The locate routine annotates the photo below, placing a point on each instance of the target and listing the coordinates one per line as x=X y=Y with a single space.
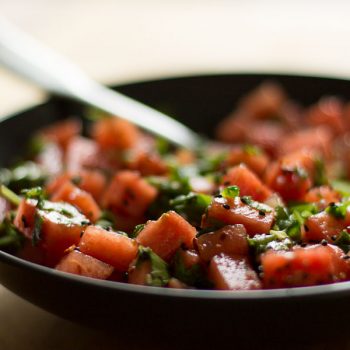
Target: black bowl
x=190 y=316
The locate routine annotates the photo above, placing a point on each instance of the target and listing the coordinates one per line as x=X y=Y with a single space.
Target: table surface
x=120 y=41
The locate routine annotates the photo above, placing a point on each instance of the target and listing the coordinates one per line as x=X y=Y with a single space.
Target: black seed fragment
x=226 y=206
x=262 y=213
x=24 y=220
x=303 y=245
x=334 y=237
x=324 y=242
x=346 y=257
x=218 y=196
x=223 y=236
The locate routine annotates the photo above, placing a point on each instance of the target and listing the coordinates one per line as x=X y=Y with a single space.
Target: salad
x=267 y=207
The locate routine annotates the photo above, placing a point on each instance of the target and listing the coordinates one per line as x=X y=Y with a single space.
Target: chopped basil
x=292 y=219
x=193 y=276
x=168 y=189
x=338 y=210
x=10 y=238
x=276 y=240
x=263 y=208
x=191 y=206
x=210 y=164
x=34 y=193
x=230 y=192
x=343 y=241
x=137 y=230
x=159 y=275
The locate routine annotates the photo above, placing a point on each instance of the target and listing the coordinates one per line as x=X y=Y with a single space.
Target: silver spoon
x=53 y=72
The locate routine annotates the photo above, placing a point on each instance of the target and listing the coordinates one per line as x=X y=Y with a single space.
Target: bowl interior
x=200 y=102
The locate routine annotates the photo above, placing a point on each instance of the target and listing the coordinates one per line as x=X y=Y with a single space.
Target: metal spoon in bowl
x=38 y=63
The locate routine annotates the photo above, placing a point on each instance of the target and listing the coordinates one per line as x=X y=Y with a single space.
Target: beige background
x=118 y=41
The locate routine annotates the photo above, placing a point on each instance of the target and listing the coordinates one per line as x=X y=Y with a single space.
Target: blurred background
x=122 y=41
x=118 y=41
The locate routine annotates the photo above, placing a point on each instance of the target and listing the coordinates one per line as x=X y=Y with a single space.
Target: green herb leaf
x=168 y=189
x=106 y=220
x=159 y=275
x=191 y=206
x=36 y=193
x=338 y=210
x=10 y=238
x=276 y=240
x=292 y=219
x=343 y=241
x=38 y=223
x=193 y=276
x=263 y=208
x=230 y=192
x=137 y=230
x=210 y=164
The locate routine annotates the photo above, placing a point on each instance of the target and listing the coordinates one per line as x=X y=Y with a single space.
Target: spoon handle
x=53 y=72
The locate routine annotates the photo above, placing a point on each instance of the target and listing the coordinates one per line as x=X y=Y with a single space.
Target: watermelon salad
x=266 y=207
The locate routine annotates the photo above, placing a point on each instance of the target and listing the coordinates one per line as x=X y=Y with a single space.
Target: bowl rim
x=326 y=290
